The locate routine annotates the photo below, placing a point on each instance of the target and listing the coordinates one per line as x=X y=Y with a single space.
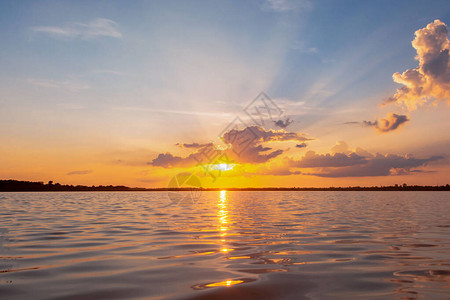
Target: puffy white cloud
x=431 y=79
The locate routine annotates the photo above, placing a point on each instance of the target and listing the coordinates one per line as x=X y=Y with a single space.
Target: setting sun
x=245 y=150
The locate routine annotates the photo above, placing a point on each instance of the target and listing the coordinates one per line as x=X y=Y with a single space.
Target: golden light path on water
x=223 y=225
x=230 y=245
x=222 y=216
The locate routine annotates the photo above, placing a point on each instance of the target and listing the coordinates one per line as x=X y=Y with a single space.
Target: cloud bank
x=379 y=165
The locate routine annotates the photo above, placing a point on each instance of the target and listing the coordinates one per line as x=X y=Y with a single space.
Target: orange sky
x=104 y=100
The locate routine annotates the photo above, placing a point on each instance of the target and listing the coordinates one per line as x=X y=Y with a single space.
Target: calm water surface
x=229 y=245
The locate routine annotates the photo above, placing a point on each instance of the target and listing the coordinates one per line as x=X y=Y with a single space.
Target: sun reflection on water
x=222 y=216
x=224 y=283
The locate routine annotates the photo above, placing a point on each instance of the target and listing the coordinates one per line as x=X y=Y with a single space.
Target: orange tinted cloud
x=431 y=79
x=390 y=123
x=245 y=146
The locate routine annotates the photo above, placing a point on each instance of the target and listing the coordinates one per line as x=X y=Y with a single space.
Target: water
x=229 y=245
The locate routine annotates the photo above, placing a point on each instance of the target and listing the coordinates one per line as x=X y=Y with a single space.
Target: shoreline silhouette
x=39 y=186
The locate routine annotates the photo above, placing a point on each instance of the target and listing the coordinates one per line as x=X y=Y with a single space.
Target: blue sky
x=113 y=75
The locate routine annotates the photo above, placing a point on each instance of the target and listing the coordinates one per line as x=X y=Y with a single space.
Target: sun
x=223 y=167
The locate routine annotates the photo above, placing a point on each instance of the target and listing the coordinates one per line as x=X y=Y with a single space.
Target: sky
x=277 y=93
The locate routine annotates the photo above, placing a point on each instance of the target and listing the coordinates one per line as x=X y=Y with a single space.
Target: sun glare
x=223 y=167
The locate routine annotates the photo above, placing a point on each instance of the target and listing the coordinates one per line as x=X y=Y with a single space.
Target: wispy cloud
x=85 y=31
x=222 y=115
x=81 y=172
x=64 y=84
x=285 y=5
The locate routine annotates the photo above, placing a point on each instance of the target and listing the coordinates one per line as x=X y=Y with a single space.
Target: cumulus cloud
x=85 y=31
x=341 y=147
x=246 y=143
x=431 y=79
x=245 y=146
x=81 y=172
x=390 y=123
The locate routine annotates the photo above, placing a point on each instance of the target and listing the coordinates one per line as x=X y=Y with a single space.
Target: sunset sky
x=133 y=93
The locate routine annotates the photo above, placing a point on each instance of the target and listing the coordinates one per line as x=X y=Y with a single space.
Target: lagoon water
x=227 y=245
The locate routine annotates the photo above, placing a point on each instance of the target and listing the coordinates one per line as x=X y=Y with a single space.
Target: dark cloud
x=283 y=124
x=246 y=143
x=258 y=135
x=379 y=165
x=168 y=160
x=313 y=160
x=245 y=146
x=81 y=172
x=431 y=79
x=390 y=123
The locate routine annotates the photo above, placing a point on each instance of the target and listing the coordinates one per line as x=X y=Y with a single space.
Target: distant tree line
x=32 y=186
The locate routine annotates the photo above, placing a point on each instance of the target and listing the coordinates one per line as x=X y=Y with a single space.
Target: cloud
x=341 y=147
x=193 y=145
x=245 y=146
x=202 y=155
x=431 y=79
x=246 y=143
x=313 y=160
x=275 y=171
x=283 y=124
x=64 y=84
x=390 y=123
x=285 y=5
x=258 y=134
x=81 y=172
x=379 y=165
x=167 y=160
x=344 y=162
x=85 y=31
